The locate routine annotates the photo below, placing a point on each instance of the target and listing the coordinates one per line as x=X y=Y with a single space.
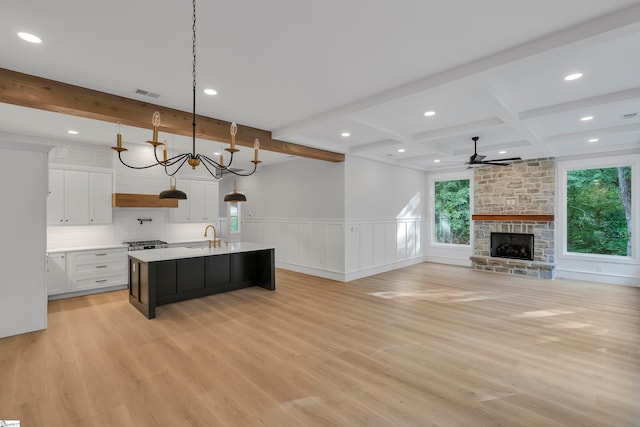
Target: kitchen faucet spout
x=215 y=241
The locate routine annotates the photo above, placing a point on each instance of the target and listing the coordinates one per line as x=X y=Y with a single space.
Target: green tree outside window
x=452 y=216
x=599 y=211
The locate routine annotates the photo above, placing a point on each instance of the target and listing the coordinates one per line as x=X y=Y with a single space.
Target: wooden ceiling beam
x=44 y=94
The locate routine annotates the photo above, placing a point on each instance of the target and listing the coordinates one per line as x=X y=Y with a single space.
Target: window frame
x=239 y=222
x=563 y=167
x=449 y=176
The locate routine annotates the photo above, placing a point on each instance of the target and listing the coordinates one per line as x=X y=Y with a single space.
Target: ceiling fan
x=478 y=159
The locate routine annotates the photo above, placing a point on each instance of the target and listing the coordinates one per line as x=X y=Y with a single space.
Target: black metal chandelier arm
x=212 y=173
x=213 y=162
x=170 y=161
x=184 y=160
x=255 y=166
x=134 y=167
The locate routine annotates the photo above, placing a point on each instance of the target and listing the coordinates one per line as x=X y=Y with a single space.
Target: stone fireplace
x=516 y=199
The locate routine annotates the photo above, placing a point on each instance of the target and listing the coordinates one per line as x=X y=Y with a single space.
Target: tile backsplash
x=127 y=227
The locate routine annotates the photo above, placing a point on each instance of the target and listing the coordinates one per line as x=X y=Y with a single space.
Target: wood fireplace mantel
x=534 y=218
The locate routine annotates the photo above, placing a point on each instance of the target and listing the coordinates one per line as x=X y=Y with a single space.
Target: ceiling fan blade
x=504 y=160
x=491 y=162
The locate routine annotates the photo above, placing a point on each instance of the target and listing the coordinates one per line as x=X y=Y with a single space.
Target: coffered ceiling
x=311 y=71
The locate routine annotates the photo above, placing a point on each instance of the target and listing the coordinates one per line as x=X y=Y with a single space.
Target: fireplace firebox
x=512 y=245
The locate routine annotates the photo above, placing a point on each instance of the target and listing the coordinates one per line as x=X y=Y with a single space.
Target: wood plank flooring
x=427 y=345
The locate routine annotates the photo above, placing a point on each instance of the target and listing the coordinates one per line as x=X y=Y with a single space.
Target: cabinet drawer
x=97 y=268
x=97 y=256
x=100 y=282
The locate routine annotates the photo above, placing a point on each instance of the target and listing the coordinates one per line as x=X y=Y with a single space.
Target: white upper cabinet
x=78 y=197
x=201 y=204
x=55 y=198
x=100 y=210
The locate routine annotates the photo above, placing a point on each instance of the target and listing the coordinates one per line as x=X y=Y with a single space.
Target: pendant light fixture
x=172 y=193
x=215 y=169
x=234 y=196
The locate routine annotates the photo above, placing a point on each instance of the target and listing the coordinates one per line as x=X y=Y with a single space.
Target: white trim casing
x=598 y=268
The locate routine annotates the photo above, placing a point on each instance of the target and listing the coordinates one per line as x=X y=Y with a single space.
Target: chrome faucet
x=216 y=241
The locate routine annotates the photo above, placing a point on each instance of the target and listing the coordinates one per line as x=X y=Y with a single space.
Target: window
x=452 y=218
x=599 y=211
x=234 y=217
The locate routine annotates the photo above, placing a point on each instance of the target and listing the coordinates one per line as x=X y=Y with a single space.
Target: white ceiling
x=308 y=71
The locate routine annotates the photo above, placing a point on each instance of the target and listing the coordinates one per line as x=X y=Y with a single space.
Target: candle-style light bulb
x=118 y=146
x=164 y=151
x=256 y=147
x=155 y=120
x=234 y=130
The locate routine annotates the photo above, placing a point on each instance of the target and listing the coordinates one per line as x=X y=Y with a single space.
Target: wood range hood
x=128 y=200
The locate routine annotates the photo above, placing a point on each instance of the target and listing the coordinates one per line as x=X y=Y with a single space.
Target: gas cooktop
x=146 y=244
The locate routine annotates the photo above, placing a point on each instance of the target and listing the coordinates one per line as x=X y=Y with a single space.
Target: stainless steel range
x=146 y=244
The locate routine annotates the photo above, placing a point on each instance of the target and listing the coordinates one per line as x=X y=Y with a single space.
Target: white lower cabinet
x=57 y=274
x=86 y=270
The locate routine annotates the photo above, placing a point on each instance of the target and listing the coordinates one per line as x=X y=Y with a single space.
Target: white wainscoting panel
x=328 y=248
x=312 y=246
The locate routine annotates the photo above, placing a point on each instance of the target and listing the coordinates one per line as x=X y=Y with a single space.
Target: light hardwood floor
x=425 y=345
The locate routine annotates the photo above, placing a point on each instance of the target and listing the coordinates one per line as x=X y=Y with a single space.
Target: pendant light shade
x=173 y=193
x=234 y=196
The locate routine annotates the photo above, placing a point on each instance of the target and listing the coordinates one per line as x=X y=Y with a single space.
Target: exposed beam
x=36 y=92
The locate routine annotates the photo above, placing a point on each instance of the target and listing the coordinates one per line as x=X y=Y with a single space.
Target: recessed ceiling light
x=430 y=113
x=72 y=132
x=574 y=76
x=345 y=134
x=586 y=118
x=217 y=153
x=594 y=140
x=436 y=161
x=29 y=38
x=502 y=152
x=401 y=150
x=210 y=91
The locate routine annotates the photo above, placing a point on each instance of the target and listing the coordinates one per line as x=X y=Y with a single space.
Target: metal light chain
x=194 y=44
x=193 y=124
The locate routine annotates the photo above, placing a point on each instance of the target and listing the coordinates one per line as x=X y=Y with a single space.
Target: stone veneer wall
x=523 y=188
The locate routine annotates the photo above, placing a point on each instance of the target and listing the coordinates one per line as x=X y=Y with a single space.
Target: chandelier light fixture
x=173 y=164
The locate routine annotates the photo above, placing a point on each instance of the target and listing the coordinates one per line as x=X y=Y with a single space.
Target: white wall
x=23 y=302
x=384 y=217
x=297 y=206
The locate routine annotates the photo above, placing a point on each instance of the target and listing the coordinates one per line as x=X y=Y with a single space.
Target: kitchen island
x=163 y=276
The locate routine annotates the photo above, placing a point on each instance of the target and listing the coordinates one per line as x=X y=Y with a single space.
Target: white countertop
x=87 y=248
x=165 y=254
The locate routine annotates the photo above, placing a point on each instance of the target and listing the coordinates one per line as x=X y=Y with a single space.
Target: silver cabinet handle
x=101 y=254
x=101 y=281
x=101 y=266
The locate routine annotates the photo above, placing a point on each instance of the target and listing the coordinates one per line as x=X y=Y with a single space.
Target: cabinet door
x=210 y=201
x=181 y=213
x=196 y=203
x=76 y=200
x=100 y=202
x=56 y=274
x=55 y=198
